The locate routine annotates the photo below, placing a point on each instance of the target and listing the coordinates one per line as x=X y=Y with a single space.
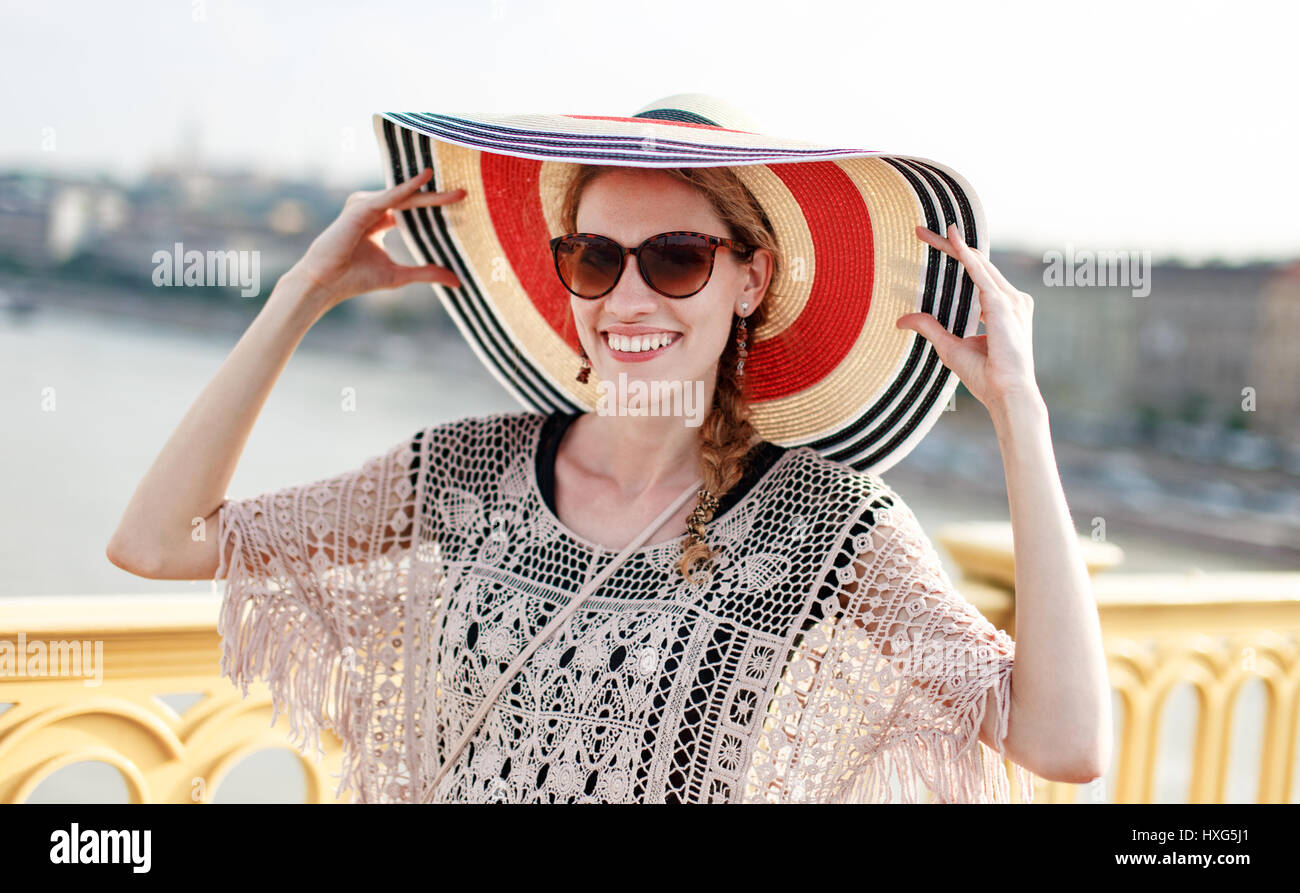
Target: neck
x=638 y=453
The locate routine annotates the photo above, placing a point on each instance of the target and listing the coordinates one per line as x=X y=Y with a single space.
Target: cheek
x=710 y=333
x=715 y=324
x=582 y=314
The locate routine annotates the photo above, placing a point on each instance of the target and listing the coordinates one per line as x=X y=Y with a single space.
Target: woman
x=449 y=609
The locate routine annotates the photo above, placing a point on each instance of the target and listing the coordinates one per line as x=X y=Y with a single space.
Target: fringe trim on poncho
x=955 y=767
x=273 y=636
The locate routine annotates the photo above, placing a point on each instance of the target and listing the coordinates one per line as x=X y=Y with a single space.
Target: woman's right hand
x=349 y=257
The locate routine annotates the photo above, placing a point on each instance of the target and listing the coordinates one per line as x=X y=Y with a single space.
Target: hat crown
x=698 y=108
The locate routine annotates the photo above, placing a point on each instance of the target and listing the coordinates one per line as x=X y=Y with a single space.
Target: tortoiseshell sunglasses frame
x=714 y=243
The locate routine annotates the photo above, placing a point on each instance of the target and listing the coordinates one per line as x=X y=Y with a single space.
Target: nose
x=632 y=295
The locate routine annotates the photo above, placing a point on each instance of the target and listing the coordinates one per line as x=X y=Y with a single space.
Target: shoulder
x=499 y=432
x=866 y=510
x=836 y=483
x=460 y=447
x=874 y=523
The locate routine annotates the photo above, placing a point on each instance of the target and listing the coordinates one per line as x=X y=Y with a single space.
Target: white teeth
x=639 y=343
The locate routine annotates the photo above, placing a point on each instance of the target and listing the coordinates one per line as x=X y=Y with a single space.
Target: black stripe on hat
x=854 y=437
x=535 y=390
x=954 y=201
x=925 y=386
x=677 y=115
x=922 y=396
x=511 y=140
x=428 y=230
x=507 y=135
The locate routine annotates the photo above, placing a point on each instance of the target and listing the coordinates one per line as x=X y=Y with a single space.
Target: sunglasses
x=676 y=264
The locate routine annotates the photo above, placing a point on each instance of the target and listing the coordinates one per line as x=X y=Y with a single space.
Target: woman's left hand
x=998 y=366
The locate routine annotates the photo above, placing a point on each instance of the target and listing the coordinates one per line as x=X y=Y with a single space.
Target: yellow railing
x=1208 y=637
x=108 y=709
x=111 y=659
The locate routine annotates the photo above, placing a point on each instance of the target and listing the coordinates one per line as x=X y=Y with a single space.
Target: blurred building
x=1275 y=371
x=1199 y=331
x=95 y=230
x=1086 y=342
x=1173 y=365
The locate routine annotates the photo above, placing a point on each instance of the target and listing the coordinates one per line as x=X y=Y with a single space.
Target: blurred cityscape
x=1178 y=411
x=70 y=234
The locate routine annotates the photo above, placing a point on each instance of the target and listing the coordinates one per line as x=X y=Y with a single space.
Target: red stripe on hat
x=515 y=208
x=832 y=318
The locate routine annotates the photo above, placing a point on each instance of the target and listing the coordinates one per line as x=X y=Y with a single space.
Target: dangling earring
x=586 y=367
x=742 y=345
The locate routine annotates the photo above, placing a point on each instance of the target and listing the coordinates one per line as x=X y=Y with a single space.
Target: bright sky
x=1105 y=125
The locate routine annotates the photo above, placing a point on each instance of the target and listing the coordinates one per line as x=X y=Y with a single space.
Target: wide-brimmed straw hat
x=827 y=368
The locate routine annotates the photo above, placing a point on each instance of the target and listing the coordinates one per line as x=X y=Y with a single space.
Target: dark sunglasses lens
x=587 y=266
x=677 y=264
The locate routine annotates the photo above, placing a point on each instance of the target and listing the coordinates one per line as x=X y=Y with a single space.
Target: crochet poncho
x=828 y=658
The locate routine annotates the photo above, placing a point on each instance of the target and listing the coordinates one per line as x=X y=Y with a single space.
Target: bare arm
x=1060 y=707
x=188 y=480
x=1059 y=717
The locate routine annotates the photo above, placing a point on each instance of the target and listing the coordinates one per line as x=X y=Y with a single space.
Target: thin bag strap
x=556 y=622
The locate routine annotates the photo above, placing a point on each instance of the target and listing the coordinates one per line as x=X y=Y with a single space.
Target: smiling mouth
x=640 y=345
